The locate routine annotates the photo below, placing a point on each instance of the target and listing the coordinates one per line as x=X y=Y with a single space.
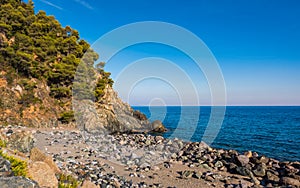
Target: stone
x=272 y=177
x=21 y=141
x=41 y=173
x=259 y=171
x=186 y=174
x=38 y=155
x=290 y=181
x=264 y=159
x=17 y=182
x=88 y=184
x=219 y=164
x=197 y=175
x=157 y=126
x=243 y=171
x=5 y=167
x=248 y=154
x=243 y=160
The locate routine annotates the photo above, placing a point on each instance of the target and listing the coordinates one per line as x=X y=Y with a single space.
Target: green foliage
x=2 y=143
x=37 y=46
x=67 y=117
x=18 y=166
x=67 y=181
x=27 y=84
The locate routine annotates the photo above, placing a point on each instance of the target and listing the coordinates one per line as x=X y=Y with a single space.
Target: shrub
x=67 y=181
x=18 y=166
x=67 y=117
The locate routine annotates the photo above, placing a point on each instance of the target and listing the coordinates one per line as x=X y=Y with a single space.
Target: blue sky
x=256 y=43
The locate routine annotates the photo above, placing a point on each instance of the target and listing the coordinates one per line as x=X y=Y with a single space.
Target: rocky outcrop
x=111 y=115
x=21 y=141
x=158 y=127
x=33 y=108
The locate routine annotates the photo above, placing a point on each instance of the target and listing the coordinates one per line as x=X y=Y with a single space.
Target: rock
x=38 y=155
x=5 y=167
x=42 y=174
x=157 y=126
x=290 y=181
x=259 y=170
x=17 y=182
x=243 y=171
x=272 y=177
x=197 y=175
x=155 y=168
x=139 y=115
x=219 y=164
x=88 y=184
x=111 y=115
x=21 y=141
x=248 y=154
x=264 y=159
x=243 y=160
x=186 y=174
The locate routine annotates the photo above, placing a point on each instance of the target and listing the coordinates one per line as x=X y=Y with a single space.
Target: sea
x=273 y=131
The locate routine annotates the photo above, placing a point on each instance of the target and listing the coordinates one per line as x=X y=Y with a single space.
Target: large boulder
x=158 y=127
x=17 y=182
x=42 y=174
x=38 y=155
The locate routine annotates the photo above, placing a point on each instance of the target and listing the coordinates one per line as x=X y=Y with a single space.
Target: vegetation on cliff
x=34 y=49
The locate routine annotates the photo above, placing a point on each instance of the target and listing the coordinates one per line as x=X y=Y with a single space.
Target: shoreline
x=194 y=164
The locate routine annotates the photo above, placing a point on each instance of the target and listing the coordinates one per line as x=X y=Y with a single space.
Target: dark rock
x=158 y=127
x=17 y=182
x=139 y=115
x=260 y=170
x=243 y=171
x=187 y=174
x=9 y=132
x=5 y=167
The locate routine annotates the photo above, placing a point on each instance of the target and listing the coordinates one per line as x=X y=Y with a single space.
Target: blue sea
x=271 y=131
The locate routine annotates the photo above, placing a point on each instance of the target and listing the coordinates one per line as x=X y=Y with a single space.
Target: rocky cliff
x=39 y=60
x=39 y=109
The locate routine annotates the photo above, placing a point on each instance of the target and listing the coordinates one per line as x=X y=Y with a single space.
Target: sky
x=255 y=43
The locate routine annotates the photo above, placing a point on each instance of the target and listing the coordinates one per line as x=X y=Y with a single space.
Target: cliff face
x=28 y=107
x=110 y=114
x=36 y=108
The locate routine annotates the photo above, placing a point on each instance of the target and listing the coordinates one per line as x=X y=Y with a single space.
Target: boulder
x=38 y=155
x=260 y=170
x=290 y=181
x=243 y=160
x=158 y=127
x=17 y=182
x=42 y=174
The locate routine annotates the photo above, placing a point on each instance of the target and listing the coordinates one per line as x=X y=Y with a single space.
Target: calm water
x=272 y=131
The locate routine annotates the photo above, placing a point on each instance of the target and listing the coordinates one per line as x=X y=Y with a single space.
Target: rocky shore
x=140 y=160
